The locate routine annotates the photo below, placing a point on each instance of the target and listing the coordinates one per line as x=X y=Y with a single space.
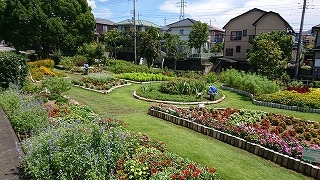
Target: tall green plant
x=56 y=85
x=13 y=69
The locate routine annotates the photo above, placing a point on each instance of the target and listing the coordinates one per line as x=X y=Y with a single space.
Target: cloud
x=102 y=12
x=92 y=4
x=220 y=12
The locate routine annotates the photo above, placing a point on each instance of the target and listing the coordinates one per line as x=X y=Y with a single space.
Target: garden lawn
x=230 y=162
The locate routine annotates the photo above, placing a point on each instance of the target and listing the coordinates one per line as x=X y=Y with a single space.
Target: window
x=244 y=33
x=238 y=49
x=251 y=37
x=236 y=35
x=181 y=31
x=229 y=52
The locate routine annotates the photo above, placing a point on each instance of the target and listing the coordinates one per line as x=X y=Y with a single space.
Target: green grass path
x=230 y=162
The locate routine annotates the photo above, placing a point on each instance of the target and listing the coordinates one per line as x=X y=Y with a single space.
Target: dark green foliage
x=44 y=25
x=150 y=45
x=13 y=69
x=198 y=35
x=92 y=51
x=271 y=53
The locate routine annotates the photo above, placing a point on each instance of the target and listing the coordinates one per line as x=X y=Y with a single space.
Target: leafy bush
x=67 y=62
x=248 y=82
x=120 y=66
x=183 y=86
x=56 y=85
x=13 y=69
x=74 y=151
x=26 y=113
x=79 y=60
x=30 y=88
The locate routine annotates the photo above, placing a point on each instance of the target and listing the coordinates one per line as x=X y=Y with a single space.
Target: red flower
x=181 y=177
x=198 y=170
x=211 y=170
x=186 y=172
x=190 y=166
x=174 y=176
x=195 y=175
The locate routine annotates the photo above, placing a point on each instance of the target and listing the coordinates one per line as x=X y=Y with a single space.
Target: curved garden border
x=270 y=104
x=180 y=103
x=103 y=91
x=268 y=154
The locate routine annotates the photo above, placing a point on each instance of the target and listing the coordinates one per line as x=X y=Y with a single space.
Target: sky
x=214 y=12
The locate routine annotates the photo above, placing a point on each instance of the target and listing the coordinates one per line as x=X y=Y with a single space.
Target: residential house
x=184 y=27
x=102 y=25
x=241 y=30
x=316 y=51
x=141 y=25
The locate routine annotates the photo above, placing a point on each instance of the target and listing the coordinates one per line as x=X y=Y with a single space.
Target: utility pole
x=134 y=32
x=165 y=21
x=299 y=40
x=182 y=5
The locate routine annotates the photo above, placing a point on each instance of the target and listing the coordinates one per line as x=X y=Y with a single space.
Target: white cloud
x=220 y=12
x=104 y=0
x=102 y=12
x=92 y=4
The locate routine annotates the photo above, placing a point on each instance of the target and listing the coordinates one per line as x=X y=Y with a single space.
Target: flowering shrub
x=74 y=151
x=25 y=112
x=40 y=69
x=294 y=98
x=56 y=85
x=48 y=63
x=287 y=135
x=303 y=89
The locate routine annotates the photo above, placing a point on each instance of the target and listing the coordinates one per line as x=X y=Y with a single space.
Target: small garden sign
x=311 y=155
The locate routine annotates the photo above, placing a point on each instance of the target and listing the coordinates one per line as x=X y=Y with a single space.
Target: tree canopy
x=176 y=48
x=149 y=45
x=198 y=35
x=45 y=24
x=271 y=53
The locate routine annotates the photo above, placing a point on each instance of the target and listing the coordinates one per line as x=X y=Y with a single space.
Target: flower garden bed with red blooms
x=265 y=132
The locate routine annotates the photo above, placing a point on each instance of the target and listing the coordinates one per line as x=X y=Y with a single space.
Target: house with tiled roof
x=103 y=25
x=184 y=27
x=141 y=25
x=241 y=30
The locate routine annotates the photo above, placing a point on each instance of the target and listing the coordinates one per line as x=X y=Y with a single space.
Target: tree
x=2 y=8
x=44 y=25
x=266 y=57
x=175 y=47
x=217 y=47
x=198 y=35
x=149 y=45
x=271 y=52
x=112 y=40
x=92 y=51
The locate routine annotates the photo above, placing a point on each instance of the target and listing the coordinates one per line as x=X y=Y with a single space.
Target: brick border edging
x=263 y=152
x=179 y=103
x=270 y=104
x=103 y=91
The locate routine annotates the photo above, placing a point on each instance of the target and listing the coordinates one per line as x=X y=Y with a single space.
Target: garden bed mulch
x=179 y=103
x=103 y=91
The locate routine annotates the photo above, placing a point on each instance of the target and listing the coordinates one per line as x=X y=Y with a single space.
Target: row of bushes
x=143 y=77
x=249 y=82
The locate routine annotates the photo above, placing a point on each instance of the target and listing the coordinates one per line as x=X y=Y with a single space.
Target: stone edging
x=180 y=103
x=263 y=152
x=270 y=104
x=103 y=91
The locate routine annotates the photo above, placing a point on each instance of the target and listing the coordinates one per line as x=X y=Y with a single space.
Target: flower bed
x=287 y=135
x=294 y=98
x=74 y=143
x=254 y=138
x=99 y=81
